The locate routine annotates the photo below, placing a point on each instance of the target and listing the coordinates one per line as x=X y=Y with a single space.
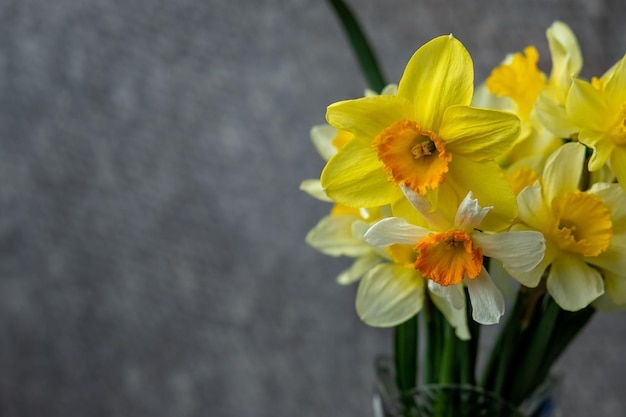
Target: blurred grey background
x=152 y=255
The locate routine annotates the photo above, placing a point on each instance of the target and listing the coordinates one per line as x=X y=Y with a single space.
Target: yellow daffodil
x=427 y=138
x=585 y=232
x=451 y=253
x=567 y=62
x=599 y=111
x=535 y=98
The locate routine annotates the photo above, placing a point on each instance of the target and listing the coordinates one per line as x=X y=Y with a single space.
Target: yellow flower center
x=412 y=156
x=448 y=257
x=519 y=80
x=582 y=223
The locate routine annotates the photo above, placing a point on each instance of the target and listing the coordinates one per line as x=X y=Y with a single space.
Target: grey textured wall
x=152 y=260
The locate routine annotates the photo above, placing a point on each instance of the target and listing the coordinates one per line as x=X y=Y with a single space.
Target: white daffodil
x=452 y=252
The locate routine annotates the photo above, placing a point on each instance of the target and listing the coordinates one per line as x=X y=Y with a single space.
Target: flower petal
x=563 y=170
x=567 y=59
x=533 y=209
x=455 y=316
x=470 y=215
x=366 y=117
x=487 y=300
x=479 y=134
x=388 y=295
x=572 y=283
x=453 y=294
x=394 y=230
x=354 y=177
x=359 y=267
x=552 y=114
x=314 y=189
x=618 y=164
x=532 y=278
x=423 y=206
x=488 y=185
x=586 y=106
x=602 y=147
x=322 y=137
x=519 y=250
x=615 y=287
x=615 y=84
x=439 y=75
x=333 y=236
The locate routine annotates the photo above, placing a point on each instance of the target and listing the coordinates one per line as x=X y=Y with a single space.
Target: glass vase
x=455 y=400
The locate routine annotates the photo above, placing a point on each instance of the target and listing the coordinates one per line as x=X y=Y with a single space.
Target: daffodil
x=451 y=253
x=585 y=232
x=599 y=111
x=426 y=138
x=567 y=63
x=537 y=100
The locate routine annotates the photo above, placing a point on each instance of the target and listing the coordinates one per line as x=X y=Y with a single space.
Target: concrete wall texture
x=152 y=255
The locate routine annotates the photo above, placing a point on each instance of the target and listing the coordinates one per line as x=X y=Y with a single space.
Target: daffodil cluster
x=431 y=179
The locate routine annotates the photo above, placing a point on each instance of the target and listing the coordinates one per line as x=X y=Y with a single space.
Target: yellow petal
x=440 y=74
x=567 y=59
x=615 y=85
x=388 y=295
x=533 y=210
x=572 y=283
x=354 y=177
x=479 y=134
x=601 y=144
x=489 y=186
x=618 y=163
x=563 y=170
x=551 y=112
x=586 y=106
x=366 y=117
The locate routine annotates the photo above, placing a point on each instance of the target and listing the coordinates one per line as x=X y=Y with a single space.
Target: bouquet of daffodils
x=452 y=198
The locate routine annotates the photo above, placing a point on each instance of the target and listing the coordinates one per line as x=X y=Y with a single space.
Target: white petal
x=533 y=277
x=333 y=236
x=519 y=251
x=455 y=316
x=322 y=137
x=421 y=204
x=487 y=300
x=359 y=267
x=394 y=230
x=314 y=189
x=389 y=294
x=470 y=214
x=573 y=284
x=453 y=293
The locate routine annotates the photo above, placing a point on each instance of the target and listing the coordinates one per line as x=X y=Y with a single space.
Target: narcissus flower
x=539 y=101
x=599 y=111
x=585 y=232
x=426 y=138
x=452 y=252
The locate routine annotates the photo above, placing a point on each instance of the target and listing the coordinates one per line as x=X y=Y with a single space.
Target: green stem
x=405 y=354
x=360 y=45
x=434 y=340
